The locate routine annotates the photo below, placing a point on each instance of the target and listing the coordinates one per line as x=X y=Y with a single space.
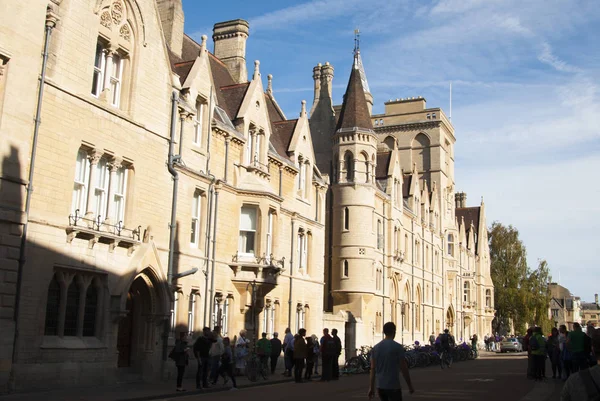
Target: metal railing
x=97 y=224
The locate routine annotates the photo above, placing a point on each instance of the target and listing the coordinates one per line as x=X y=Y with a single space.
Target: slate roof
x=183 y=69
x=274 y=114
x=383 y=163
x=281 y=136
x=590 y=306
x=471 y=215
x=355 y=111
x=233 y=96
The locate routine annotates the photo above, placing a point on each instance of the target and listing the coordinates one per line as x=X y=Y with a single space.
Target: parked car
x=511 y=344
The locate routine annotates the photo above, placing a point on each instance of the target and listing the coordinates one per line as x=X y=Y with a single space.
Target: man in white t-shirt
x=387 y=361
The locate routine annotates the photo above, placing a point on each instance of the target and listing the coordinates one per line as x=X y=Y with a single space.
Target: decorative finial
x=303 y=109
x=356 y=42
x=270 y=84
x=414 y=167
x=203 y=43
x=256 y=70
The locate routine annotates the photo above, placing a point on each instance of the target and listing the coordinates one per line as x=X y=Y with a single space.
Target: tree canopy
x=521 y=294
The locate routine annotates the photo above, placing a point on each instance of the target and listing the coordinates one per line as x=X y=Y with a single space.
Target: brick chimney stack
x=230 y=46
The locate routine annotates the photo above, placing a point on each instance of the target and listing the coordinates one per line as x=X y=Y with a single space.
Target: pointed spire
x=270 y=84
x=303 y=109
x=355 y=111
x=256 y=70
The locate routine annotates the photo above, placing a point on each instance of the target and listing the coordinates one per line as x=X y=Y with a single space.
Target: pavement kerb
x=210 y=390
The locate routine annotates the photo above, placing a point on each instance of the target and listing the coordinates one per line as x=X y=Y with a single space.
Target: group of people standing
x=302 y=354
x=217 y=357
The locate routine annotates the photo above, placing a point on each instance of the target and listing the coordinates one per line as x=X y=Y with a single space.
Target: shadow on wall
x=79 y=325
x=12 y=190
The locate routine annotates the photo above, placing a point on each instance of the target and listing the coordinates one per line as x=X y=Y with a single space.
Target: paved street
x=492 y=377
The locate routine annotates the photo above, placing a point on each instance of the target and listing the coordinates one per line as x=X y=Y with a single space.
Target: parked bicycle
x=255 y=367
x=360 y=363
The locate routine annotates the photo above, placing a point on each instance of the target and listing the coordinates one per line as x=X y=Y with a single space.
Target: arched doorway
x=450 y=318
x=137 y=331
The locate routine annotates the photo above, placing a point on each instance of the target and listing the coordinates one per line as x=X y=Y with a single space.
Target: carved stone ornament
x=117 y=12
x=125 y=32
x=105 y=20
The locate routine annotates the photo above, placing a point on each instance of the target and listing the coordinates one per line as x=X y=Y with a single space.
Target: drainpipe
x=209 y=131
x=227 y=140
x=280 y=184
x=207 y=246
x=383 y=219
x=182 y=120
x=51 y=20
x=291 y=278
x=172 y=225
x=214 y=251
x=412 y=282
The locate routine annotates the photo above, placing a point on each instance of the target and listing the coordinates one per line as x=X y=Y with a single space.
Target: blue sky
x=526 y=97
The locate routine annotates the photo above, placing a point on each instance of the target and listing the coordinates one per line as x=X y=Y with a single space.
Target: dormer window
x=451 y=244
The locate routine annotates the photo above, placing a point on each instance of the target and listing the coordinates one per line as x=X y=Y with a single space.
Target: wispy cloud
x=547 y=56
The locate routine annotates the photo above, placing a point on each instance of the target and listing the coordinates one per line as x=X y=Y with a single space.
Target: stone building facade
x=591 y=312
x=565 y=308
x=154 y=158
x=402 y=245
x=151 y=186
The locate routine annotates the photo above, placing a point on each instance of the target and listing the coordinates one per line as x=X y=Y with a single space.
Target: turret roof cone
x=355 y=111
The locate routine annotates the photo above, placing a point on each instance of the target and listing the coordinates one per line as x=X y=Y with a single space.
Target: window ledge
x=55 y=342
x=198 y=149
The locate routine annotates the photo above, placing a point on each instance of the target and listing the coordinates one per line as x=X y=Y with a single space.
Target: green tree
x=540 y=296
x=510 y=276
x=521 y=294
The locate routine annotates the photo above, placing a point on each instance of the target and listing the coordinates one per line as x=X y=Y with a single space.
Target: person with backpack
x=180 y=356
x=585 y=385
x=327 y=355
x=537 y=345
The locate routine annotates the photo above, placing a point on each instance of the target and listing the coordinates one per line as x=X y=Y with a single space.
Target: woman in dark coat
x=553 y=348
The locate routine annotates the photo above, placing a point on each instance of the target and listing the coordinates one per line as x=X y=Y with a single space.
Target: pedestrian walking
x=180 y=356
x=275 y=351
x=226 y=369
x=263 y=350
x=216 y=350
x=201 y=352
x=299 y=354
x=327 y=355
x=335 y=371
x=486 y=341
x=387 y=362
x=316 y=352
x=310 y=358
x=585 y=385
x=288 y=352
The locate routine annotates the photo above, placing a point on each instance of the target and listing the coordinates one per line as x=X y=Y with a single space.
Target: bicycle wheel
x=252 y=369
